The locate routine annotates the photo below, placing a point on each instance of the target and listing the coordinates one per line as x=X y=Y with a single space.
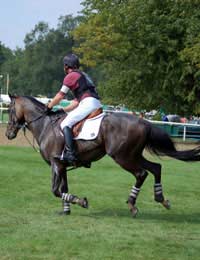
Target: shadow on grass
x=192 y=218
x=173 y=217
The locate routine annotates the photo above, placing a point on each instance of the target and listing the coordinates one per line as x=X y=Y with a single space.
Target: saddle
x=78 y=126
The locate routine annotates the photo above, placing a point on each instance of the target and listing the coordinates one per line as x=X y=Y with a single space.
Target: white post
x=7 y=83
x=1 y=108
x=1 y=102
x=184 y=133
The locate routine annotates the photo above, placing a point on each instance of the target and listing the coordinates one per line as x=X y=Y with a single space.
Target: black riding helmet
x=72 y=61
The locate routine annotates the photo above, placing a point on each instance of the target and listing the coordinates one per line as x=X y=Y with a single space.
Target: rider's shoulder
x=73 y=75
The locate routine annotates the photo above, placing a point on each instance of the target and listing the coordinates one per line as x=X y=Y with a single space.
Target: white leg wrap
x=158 y=189
x=66 y=206
x=66 y=197
x=134 y=192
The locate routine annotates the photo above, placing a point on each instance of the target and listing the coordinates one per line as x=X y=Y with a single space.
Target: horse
x=121 y=136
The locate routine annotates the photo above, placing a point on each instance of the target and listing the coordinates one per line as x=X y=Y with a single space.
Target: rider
x=86 y=101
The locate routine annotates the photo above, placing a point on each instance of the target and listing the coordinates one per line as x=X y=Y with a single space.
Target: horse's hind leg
x=140 y=178
x=155 y=169
x=140 y=175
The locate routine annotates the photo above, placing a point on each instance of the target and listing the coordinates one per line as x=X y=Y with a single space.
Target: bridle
x=13 y=116
x=15 y=123
x=25 y=125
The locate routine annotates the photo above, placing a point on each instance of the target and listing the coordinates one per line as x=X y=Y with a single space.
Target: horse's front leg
x=60 y=185
x=70 y=198
x=56 y=180
x=60 y=188
x=64 y=189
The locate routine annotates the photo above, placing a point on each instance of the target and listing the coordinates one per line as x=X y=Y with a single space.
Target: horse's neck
x=36 y=123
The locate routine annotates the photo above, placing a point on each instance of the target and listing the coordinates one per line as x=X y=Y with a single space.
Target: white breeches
x=85 y=107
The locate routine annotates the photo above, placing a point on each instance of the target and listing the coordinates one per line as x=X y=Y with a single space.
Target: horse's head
x=16 y=117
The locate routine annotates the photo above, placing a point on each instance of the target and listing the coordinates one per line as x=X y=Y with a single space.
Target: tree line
x=141 y=53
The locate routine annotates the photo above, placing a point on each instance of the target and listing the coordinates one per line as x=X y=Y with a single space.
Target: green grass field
x=30 y=227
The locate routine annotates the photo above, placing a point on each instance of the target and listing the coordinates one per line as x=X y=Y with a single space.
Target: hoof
x=84 y=203
x=134 y=210
x=166 y=204
x=87 y=165
x=64 y=213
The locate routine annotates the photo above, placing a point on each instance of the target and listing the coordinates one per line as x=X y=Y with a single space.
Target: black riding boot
x=69 y=150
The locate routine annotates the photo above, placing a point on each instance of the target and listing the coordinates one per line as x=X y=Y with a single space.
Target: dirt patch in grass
x=20 y=140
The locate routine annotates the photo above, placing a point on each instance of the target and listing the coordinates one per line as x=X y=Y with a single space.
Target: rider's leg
x=69 y=151
x=85 y=107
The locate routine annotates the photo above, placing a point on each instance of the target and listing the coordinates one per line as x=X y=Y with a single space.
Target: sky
x=19 y=17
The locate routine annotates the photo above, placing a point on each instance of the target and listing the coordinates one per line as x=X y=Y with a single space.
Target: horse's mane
x=40 y=107
x=35 y=101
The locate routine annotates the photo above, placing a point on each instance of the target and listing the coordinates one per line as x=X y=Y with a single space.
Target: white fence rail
x=185 y=126
x=185 y=131
x=182 y=130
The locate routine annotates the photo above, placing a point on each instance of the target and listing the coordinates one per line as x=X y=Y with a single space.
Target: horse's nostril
x=10 y=136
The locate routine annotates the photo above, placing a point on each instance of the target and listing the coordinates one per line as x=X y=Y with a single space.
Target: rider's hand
x=47 y=110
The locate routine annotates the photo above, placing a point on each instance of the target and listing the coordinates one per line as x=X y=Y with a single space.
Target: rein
x=34 y=120
x=24 y=127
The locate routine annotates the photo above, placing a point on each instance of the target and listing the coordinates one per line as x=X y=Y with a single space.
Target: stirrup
x=69 y=157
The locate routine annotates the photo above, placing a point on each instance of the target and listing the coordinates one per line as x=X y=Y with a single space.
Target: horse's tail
x=160 y=143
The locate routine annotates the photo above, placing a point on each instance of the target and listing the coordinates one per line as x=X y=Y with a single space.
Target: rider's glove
x=47 y=110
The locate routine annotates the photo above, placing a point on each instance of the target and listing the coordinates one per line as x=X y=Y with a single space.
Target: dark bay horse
x=122 y=136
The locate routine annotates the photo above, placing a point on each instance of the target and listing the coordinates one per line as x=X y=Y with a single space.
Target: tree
x=144 y=51
x=5 y=54
x=38 y=69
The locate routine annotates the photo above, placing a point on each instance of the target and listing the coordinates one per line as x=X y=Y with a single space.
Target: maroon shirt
x=71 y=81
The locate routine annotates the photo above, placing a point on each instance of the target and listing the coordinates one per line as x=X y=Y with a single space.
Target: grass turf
x=30 y=227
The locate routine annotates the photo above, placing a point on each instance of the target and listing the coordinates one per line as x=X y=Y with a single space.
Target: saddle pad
x=90 y=128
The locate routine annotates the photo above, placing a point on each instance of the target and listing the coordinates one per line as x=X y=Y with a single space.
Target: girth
x=78 y=126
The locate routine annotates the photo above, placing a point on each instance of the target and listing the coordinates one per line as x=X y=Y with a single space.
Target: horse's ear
x=12 y=96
